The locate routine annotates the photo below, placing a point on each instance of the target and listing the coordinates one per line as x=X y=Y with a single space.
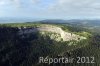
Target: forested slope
x=16 y=50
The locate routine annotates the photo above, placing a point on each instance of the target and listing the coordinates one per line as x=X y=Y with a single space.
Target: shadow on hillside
x=23 y=50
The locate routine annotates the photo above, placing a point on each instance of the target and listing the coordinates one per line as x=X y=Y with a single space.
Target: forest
x=18 y=51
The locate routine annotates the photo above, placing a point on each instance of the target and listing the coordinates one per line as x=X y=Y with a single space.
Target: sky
x=50 y=9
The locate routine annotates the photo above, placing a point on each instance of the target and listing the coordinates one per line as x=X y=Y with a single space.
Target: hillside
x=23 y=44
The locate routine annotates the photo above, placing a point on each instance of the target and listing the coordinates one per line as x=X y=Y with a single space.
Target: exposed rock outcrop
x=66 y=36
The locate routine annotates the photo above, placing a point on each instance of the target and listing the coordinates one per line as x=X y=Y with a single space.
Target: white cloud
x=72 y=7
x=34 y=1
x=17 y=3
x=5 y=2
x=55 y=8
x=2 y=2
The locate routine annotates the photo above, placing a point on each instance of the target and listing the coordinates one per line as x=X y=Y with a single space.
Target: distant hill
x=53 y=21
x=17 y=20
x=73 y=21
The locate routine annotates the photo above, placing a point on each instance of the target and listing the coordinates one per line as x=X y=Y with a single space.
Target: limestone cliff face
x=66 y=36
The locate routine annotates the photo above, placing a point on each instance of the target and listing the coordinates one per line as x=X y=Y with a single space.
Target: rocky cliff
x=66 y=36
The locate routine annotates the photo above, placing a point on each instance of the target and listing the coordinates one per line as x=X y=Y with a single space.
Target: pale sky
x=61 y=9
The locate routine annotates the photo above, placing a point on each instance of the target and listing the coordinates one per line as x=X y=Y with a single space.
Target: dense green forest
x=18 y=51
